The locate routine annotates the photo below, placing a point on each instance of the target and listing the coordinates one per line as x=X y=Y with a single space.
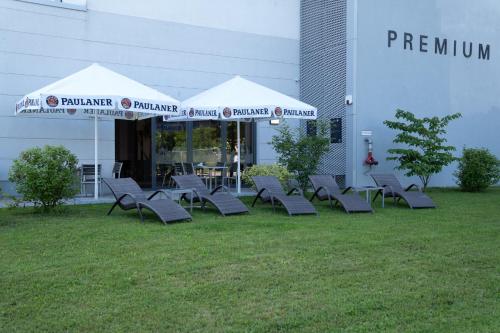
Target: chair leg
x=139 y=209
x=255 y=200
x=163 y=180
x=112 y=207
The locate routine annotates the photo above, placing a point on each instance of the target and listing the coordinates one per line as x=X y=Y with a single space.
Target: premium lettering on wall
x=438 y=45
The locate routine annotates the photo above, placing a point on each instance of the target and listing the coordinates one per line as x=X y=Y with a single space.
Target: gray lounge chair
x=129 y=195
x=225 y=203
x=394 y=189
x=326 y=188
x=269 y=190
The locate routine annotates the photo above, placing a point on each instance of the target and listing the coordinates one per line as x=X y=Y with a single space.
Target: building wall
x=385 y=78
x=250 y=16
x=153 y=44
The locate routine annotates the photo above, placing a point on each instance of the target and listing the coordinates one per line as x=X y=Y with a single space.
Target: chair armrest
x=299 y=190
x=196 y=194
x=390 y=189
x=218 y=188
x=126 y=195
x=319 y=189
x=347 y=189
x=413 y=185
x=266 y=189
x=157 y=192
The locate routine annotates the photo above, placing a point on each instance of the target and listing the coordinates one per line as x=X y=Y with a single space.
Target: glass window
x=171 y=142
x=206 y=142
x=336 y=130
x=311 y=128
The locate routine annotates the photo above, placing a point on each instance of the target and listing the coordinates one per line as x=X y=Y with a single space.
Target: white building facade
x=178 y=47
x=423 y=75
x=382 y=54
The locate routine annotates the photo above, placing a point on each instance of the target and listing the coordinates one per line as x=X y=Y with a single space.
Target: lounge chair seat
x=224 y=202
x=326 y=188
x=269 y=190
x=129 y=195
x=394 y=189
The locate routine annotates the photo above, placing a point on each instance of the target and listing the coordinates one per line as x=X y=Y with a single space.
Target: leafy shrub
x=477 y=170
x=45 y=176
x=299 y=152
x=276 y=170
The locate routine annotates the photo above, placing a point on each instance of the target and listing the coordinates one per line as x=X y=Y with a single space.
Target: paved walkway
x=5 y=202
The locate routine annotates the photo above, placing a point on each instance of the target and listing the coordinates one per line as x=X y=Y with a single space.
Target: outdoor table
x=177 y=193
x=368 y=190
x=211 y=170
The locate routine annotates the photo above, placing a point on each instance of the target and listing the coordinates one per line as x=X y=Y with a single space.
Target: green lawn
x=396 y=270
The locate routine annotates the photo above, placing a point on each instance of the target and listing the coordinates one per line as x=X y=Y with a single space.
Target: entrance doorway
x=140 y=148
x=133 y=148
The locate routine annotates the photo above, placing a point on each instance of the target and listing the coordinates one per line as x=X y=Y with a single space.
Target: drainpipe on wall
x=354 y=93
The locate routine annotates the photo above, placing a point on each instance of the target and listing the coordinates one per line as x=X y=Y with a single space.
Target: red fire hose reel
x=370 y=160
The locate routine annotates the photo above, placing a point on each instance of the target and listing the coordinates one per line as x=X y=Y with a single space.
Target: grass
x=396 y=270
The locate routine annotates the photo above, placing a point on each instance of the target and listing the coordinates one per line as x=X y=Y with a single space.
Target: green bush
x=276 y=170
x=299 y=152
x=477 y=170
x=45 y=176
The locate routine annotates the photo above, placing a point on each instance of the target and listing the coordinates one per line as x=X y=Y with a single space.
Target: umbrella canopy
x=97 y=92
x=238 y=100
x=98 y=88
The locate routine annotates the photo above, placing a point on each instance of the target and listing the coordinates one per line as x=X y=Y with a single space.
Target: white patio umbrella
x=240 y=99
x=97 y=92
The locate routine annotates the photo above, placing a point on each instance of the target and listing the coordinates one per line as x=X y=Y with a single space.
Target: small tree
x=477 y=170
x=45 y=176
x=301 y=153
x=427 y=152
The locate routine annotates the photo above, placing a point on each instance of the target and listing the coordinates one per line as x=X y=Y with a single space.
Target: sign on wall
x=438 y=45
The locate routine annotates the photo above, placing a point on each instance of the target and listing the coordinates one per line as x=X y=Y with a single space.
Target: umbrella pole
x=239 y=155
x=96 y=165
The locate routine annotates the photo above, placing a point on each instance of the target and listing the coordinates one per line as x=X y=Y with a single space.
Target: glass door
x=171 y=147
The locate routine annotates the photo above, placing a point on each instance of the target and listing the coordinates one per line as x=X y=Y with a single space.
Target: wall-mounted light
x=274 y=122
